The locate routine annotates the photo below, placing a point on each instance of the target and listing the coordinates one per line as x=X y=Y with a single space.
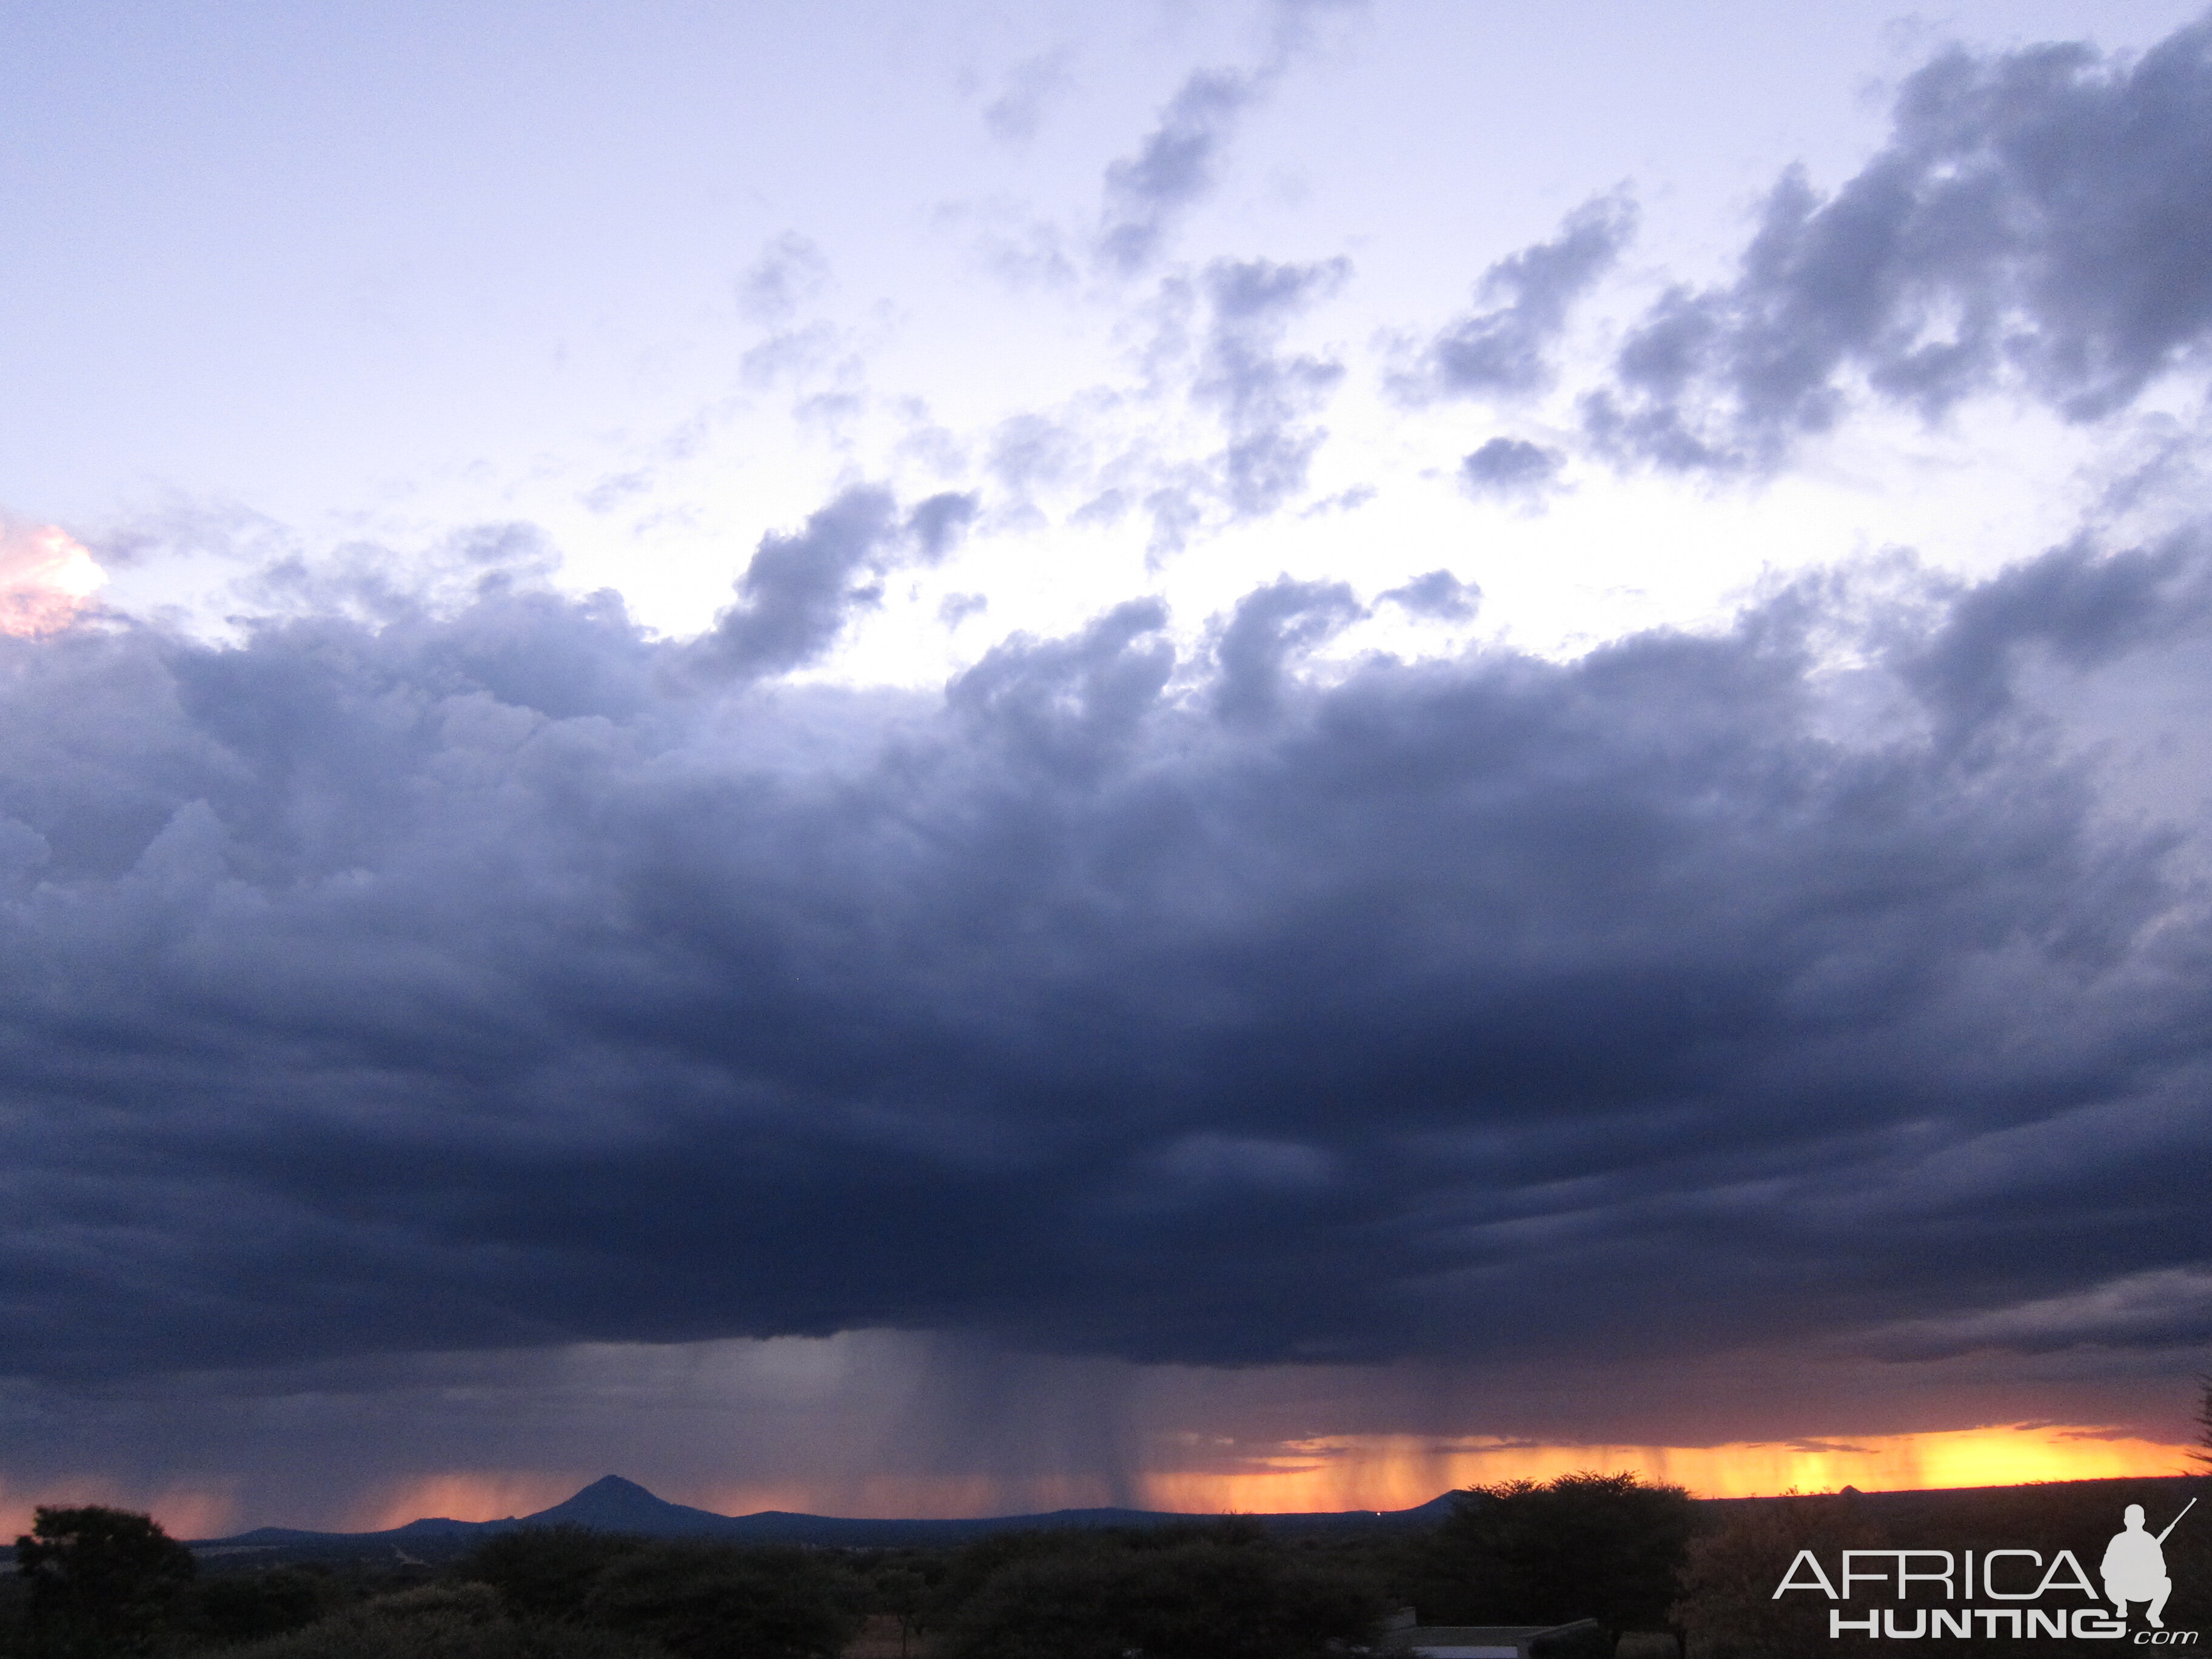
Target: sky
x=947 y=758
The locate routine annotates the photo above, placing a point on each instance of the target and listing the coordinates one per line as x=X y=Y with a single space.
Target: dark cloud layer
x=2168 y=1309
x=2037 y=218
x=497 y=978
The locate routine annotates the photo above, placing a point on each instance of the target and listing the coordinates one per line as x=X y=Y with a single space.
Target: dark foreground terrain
x=617 y=1573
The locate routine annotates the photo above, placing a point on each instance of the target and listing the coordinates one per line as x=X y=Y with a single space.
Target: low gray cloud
x=1509 y=468
x=1214 y=341
x=1505 y=350
x=1177 y=164
x=791 y=270
x=379 y=582
x=800 y=590
x=1174 y=167
x=617 y=488
x=1017 y=114
x=2171 y=1308
x=1440 y=594
x=1264 y=395
x=1258 y=646
x=2036 y=219
x=936 y=524
x=955 y=608
x=797 y=593
x=2083 y=612
x=468 y=979
x=1031 y=450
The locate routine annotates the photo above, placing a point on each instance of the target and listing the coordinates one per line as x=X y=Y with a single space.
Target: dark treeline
x=96 y=1583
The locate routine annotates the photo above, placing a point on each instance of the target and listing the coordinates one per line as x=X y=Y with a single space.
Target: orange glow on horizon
x=1395 y=1472
x=205 y=1510
x=47 y=577
x=460 y=1495
x=1353 y=1472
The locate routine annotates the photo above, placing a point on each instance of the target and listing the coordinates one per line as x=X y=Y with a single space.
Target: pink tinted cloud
x=47 y=577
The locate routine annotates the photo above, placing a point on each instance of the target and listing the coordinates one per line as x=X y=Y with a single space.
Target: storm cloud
x=2171 y=1308
x=2036 y=221
x=472 y=980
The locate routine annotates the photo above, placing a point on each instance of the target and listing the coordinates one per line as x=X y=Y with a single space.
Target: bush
x=706 y=1601
x=443 y=1621
x=1230 y=1594
x=242 y=1607
x=545 y=1572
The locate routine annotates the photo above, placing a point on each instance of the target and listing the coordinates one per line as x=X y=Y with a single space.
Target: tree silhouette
x=1605 y=1547
x=102 y=1582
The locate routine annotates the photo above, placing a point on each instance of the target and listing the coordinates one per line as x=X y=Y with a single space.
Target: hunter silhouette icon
x=2135 y=1565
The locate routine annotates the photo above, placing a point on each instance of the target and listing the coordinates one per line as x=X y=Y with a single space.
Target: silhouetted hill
x=614 y=1504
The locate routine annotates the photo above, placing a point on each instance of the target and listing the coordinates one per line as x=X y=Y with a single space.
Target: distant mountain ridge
x=612 y=1504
